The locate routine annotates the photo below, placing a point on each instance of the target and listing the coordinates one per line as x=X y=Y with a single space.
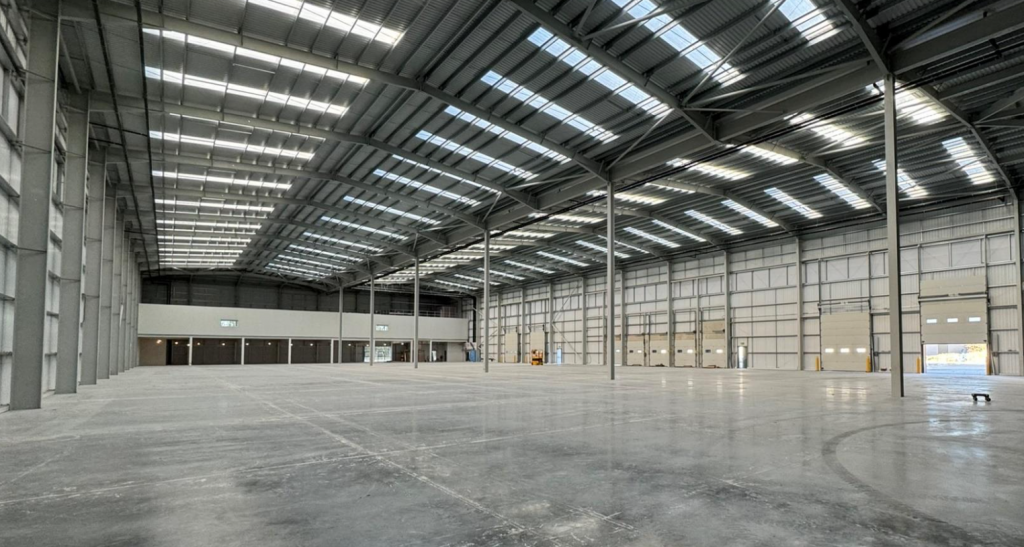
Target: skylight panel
x=320 y=252
x=331 y=19
x=913 y=104
x=224 y=180
x=712 y=222
x=528 y=267
x=221 y=143
x=390 y=210
x=600 y=249
x=562 y=259
x=707 y=169
x=503 y=134
x=596 y=72
x=792 y=203
x=425 y=187
x=675 y=35
x=243 y=91
x=504 y=274
x=443 y=174
x=766 y=222
x=214 y=205
x=479 y=247
x=669 y=188
x=969 y=162
x=628 y=198
x=839 y=189
x=265 y=57
x=774 y=157
x=210 y=224
x=192 y=251
x=206 y=240
x=453 y=284
x=659 y=240
x=313 y=263
x=904 y=181
x=626 y=245
x=529 y=234
x=679 y=231
x=524 y=95
x=829 y=131
x=473 y=279
x=575 y=219
x=363 y=228
x=296 y=270
x=812 y=23
x=193 y=263
x=337 y=241
x=474 y=155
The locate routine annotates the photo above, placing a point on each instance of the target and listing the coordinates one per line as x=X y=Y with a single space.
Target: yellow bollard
x=867 y=364
x=817 y=364
x=919 y=369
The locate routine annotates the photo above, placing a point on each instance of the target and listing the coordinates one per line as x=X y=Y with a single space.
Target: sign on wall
x=382 y=328
x=229 y=323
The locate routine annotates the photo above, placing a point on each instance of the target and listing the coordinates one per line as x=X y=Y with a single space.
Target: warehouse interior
x=511 y=272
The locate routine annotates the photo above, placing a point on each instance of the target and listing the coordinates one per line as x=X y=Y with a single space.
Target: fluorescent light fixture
x=629 y=198
x=773 y=157
x=715 y=223
x=600 y=249
x=827 y=130
x=912 y=103
x=905 y=182
x=707 y=169
x=518 y=92
x=244 y=52
x=681 y=40
x=337 y=241
x=839 y=189
x=808 y=19
x=504 y=274
x=243 y=91
x=425 y=187
x=626 y=245
x=969 y=162
x=503 y=134
x=659 y=240
x=474 y=155
x=231 y=145
x=442 y=173
x=209 y=224
x=390 y=210
x=596 y=71
x=792 y=203
x=360 y=227
x=214 y=205
x=225 y=180
x=761 y=219
x=323 y=16
x=679 y=231
x=528 y=267
x=575 y=219
x=561 y=259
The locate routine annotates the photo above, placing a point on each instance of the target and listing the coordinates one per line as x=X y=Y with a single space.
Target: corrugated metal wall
x=10 y=187
x=840 y=272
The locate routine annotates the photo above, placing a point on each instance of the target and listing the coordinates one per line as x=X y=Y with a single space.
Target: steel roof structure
x=331 y=142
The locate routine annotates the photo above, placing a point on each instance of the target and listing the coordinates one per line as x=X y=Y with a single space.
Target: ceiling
x=331 y=142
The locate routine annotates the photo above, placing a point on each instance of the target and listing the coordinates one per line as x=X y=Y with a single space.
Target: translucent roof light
x=204 y=240
x=425 y=187
x=679 y=38
x=231 y=145
x=473 y=279
x=626 y=245
x=774 y=157
x=600 y=249
x=792 y=203
x=679 y=231
x=192 y=251
x=313 y=263
x=826 y=130
x=529 y=234
x=503 y=134
x=766 y=222
x=528 y=267
x=597 y=72
x=808 y=19
x=338 y=21
x=659 y=240
x=214 y=205
x=669 y=188
x=453 y=284
x=837 y=188
x=628 y=198
x=210 y=224
x=320 y=252
x=504 y=274
x=720 y=172
x=363 y=228
x=531 y=98
x=265 y=57
x=712 y=222
x=242 y=91
x=296 y=270
x=562 y=258
x=224 y=180
x=577 y=219
x=474 y=155
x=337 y=241
x=390 y=210
x=905 y=182
x=913 y=104
x=969 y=162
x=442 y=173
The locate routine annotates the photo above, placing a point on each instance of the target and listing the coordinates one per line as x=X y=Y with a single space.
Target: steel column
x=373 y=322
x=582 y=355
x=34 y=212
x=728 y=312
x=670 y=327
x=243 y=351
x=416 y=313
x=1017 y=276
x=189 y=351
x=487 y=300
x=623 y=319
x=609 y=289
x=799 y=306
x=550 y=338
x=341 y=321
x=106 y=282
x=115 y=298
x=892 y=224
x=68 y=330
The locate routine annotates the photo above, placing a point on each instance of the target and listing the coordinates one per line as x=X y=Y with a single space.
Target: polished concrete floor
x=328 y=455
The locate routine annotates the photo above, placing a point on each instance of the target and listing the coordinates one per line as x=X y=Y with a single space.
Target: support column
x=550 y=350
x=623 y=320
x=487 y=301
x=115 y=296
x=34 y=213
x=189 y=351
x=122 y=333
x=373 y=323
x=670 y=327
x=728 y=313
x=583 y=322
x=341 y=317
x=289 y=351
x=609 y=296
x=892 y=229
x=1017 y=265
x=128 y=288
x=72 y=238
x=799 y=306
x=106 y=283
x=416 y=313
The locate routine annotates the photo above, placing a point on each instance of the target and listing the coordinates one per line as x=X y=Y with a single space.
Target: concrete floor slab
x=351 y=455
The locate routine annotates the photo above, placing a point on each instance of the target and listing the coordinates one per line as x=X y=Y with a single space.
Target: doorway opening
x=956 y=359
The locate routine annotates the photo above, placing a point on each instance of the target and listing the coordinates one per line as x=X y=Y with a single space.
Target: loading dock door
x=658 y=352
x=954 y=325
x=511 y=349
x=637 y=350
x=537 y=342
x=713 y=344
x=845 y=341
x=686 y=349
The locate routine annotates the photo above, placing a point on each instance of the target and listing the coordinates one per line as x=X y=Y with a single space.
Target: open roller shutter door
x=960 y=321
x=845 y=341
